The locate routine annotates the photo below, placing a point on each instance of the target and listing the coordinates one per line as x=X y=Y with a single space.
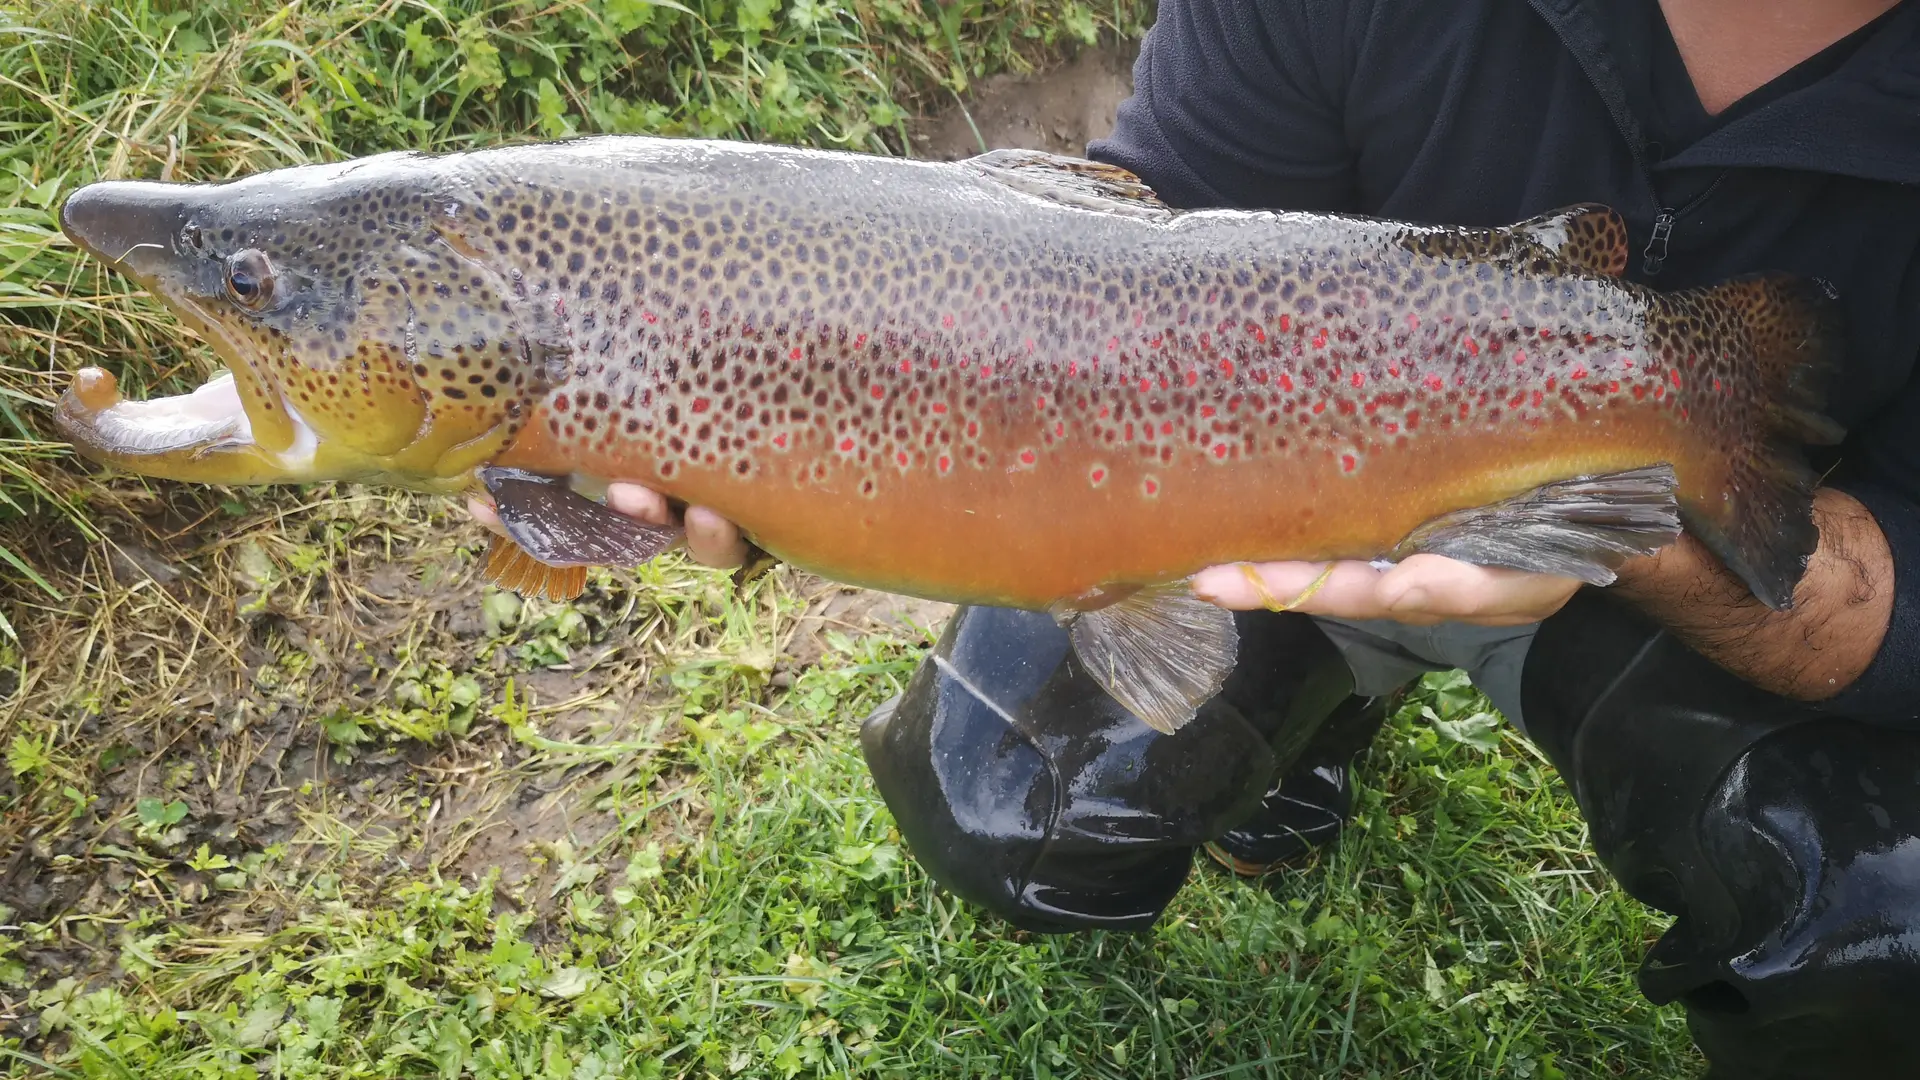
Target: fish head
x=365 y=337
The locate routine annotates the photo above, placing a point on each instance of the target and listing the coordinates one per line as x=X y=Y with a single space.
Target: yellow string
x=1266 y=598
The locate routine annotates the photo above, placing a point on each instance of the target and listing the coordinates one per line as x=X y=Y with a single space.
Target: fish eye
x=250 y=279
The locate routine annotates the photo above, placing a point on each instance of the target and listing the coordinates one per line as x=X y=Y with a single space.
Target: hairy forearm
x=1810 y=652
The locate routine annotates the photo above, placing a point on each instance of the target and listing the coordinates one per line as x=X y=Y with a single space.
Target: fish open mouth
x=204 y=436
x=238 y=428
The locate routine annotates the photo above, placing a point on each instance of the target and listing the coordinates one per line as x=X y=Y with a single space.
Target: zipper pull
x=1656 y=252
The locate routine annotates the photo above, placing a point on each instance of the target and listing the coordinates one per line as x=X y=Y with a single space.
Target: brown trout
x=1018 y=380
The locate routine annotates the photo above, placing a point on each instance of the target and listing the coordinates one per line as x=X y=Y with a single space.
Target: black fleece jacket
x=1484 y=112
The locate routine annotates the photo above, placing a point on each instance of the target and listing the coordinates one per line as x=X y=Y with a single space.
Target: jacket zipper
x=1655 y=254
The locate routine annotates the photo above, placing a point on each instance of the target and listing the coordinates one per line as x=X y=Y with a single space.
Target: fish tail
x=1763 y=350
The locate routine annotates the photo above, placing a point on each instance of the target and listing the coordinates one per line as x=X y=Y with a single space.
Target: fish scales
x=885 y=385
x=1019 y=380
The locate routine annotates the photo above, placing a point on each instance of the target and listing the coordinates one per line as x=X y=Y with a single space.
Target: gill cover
x=366 y=337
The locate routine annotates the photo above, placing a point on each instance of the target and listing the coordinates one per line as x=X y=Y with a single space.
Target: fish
x=1020 y=379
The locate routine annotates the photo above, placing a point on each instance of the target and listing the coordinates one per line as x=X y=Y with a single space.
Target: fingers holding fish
x=1421 y=590
x=711 y=539
x=714 y=540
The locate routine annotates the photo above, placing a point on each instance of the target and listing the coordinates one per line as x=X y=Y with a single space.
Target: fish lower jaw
x=202 y=436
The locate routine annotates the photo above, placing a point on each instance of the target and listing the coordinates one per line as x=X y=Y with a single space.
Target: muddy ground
x=1060 y=110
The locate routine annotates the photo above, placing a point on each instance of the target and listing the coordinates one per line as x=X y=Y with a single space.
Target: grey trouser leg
x=1386 y=655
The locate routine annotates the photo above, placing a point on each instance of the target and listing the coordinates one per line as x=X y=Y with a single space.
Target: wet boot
x=1312 y=799
x=1785 y=843
x=1020 y=785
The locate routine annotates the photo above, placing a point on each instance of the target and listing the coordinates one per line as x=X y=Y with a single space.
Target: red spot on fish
x=877 y=390
x=1192 y=377
x=1286 y=323
x=1392 y=428
x=1286 y=381
x=1259 y=335
x=1519 y=357
x=1206 y=411
x=1166 y=427
x=1613 y=387
x=1348 y=462
x=1105 y=412
x=1473 y=347
x=1659 y=391
x=1145 y=385
x=1226 y=369
x=1098 y=475
x=860 y=341
x=939 y=407
x=1029 y=344
x=650 y=317
x=1319 y=406
x=986 y=371
x=1163 y=382
x=1028 y=457
x=1413 y=322
x=1436 y=383
x=1359 y=380
x=1627 y=362
x=946 y=321
x=1413 y=420
x=1639 y=392
x=1550 y=381
x=1060 y=429
x=1393 y=370
x=1320 y=339
x=901 y=457
x=560 y=403
x=1220 y=450
x=846 y=446
x=973 y=429
x=906 y=367
x=1151 y=486
x=1545 y=333
x=701 y=404
x=1113 y=343
x=1673 y=376
x=1073 y=367
x=1538 y=397
x=1040 y=402
x=1580 y=372
x=1129 y=431
x=945 y=463
x=1717 y=387
x=780 y=441
x=1206 y=340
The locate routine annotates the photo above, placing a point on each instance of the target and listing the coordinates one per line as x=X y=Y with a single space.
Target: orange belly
x=1028 y=535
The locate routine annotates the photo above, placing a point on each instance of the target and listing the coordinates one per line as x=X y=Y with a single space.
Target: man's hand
x=711 y=539
x=1810 y=652
x=1422 y=590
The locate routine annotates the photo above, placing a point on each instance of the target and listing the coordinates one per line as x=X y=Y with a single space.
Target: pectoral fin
x=1582 y=528
x=1161 y=652
x=551 y=525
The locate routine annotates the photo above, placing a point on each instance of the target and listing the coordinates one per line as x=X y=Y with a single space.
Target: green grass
x=289 y=794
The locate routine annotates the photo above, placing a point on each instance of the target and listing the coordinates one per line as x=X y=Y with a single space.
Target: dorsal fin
x=1088 y=185
x=1589 y=235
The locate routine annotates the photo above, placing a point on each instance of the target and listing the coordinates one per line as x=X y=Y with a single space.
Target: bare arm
x=1812 y=651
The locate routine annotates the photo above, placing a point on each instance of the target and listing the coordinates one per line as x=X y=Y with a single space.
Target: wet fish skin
x=1017 y=380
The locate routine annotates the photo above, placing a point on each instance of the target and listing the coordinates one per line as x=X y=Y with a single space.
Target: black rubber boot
x=1786 y=843
x=1022 y=787
x=1311 y=802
